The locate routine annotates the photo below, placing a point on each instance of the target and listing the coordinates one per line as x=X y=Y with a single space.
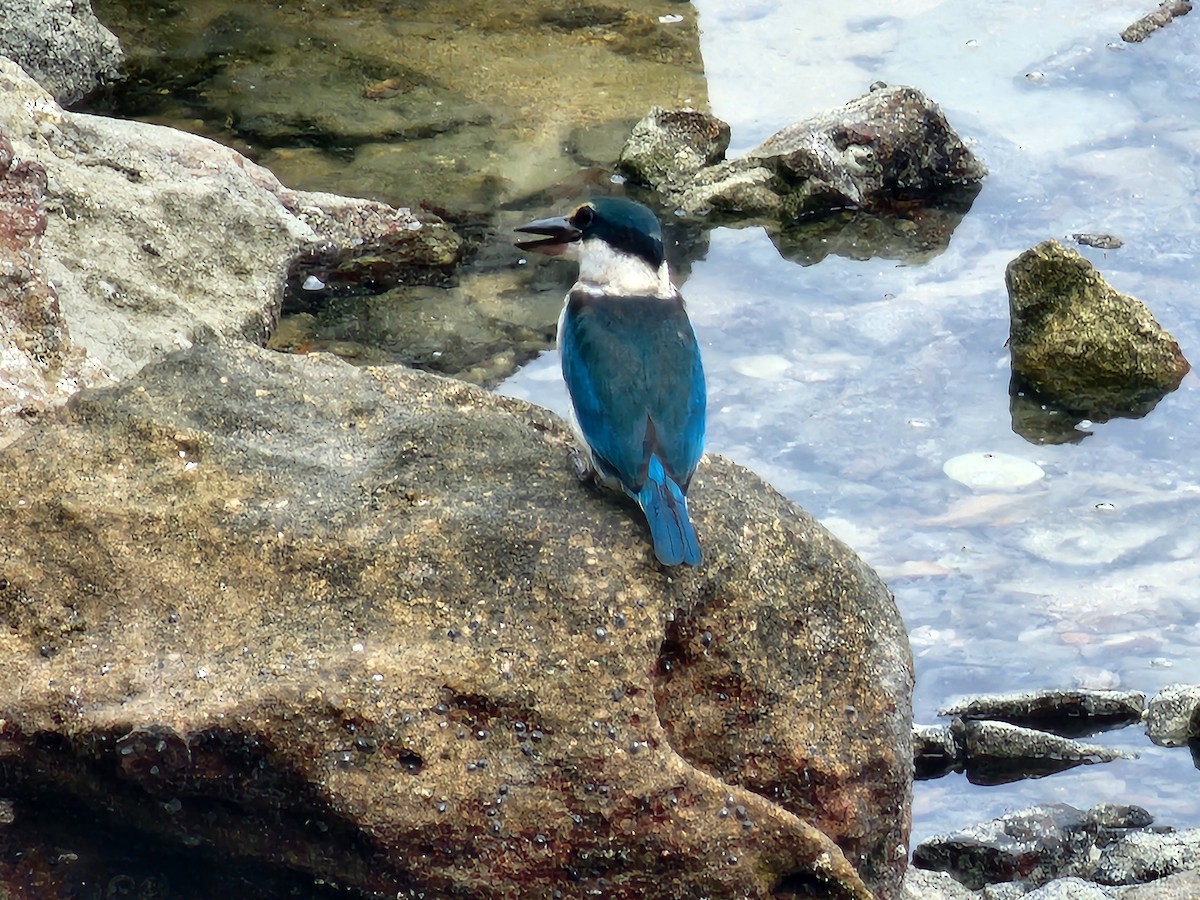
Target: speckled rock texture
x=365 y=624
x=61 y=44
x=1081 y=344
x=892 y=144
x=1173 y=715
x=136 y=236
x=1105 y=847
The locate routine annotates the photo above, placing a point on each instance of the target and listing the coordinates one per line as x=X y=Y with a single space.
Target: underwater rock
x=157 y=233
x=890 y=145
x=61 y=45
x=1173 y=715
x=1081 y=344
x=364 y=624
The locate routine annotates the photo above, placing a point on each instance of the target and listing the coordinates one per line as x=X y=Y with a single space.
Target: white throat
x=618 y=273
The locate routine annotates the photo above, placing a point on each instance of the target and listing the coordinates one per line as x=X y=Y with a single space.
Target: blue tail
x=665 y=507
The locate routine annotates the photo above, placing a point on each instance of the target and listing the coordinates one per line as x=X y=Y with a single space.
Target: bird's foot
x=582 y=469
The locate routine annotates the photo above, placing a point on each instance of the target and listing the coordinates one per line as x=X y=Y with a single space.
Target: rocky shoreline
x=265 y=699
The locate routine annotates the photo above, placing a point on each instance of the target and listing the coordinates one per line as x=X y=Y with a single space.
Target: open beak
x=557 y=231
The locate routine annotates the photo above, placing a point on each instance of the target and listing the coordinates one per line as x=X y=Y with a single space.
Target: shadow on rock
x=1042 y=420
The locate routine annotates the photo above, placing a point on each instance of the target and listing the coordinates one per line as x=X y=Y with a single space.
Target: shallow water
x=848 y=382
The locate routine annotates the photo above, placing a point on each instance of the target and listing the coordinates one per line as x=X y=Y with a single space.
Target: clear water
x=848 y=384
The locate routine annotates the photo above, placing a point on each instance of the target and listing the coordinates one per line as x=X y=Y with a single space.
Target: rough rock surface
x=1082 y=344
x=364 y=623
x=891 y=144
x=1173 y=715
x=668 y=147
x=61 y=44
x=1107 y=845
x=1072 y=711
x=39 y=364
x=147 y=234
x=920 y=884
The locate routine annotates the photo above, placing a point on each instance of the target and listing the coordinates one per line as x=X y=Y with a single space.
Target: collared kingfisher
x=631 y=363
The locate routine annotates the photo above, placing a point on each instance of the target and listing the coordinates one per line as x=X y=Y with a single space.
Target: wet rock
x=152 y=234
x=1068 y=712
x=1080 y=343
x=1166 y=12
x=891 y=144
x=1100 y=241
x=668 y=147
x=1173 y=715
x=61 y=44
x=999 y=753
x=364 y=624
x=1142 y=856
x=938 y=749
x=1032 y=846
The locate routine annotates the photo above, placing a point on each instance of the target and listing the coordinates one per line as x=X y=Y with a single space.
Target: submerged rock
x=890 y=145
x=364 y=624
x=1081 y=344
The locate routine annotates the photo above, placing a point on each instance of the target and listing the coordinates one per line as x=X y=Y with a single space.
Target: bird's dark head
x=623 y=225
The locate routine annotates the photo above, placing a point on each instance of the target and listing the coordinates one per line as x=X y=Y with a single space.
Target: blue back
x=632 y=367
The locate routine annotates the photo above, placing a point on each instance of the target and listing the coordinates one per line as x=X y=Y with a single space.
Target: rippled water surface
x=848 y=381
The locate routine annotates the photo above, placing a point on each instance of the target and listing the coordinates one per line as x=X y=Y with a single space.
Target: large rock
x=892 y=144
x=144 y=234
x=364 y=623
x=1081 y=344
x=61 y=44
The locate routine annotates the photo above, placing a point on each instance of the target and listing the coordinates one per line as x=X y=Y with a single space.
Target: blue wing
x=632 y=367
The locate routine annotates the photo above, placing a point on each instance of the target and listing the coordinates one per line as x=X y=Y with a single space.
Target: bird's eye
x=584 y=216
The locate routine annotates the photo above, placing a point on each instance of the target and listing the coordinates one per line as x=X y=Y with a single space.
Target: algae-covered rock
x=364 y=624
x=1082 y=344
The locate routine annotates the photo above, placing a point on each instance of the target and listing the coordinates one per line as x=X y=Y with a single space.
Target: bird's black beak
x=558 y=231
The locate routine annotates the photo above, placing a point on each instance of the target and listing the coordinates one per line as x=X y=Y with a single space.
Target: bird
x=631 y=363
